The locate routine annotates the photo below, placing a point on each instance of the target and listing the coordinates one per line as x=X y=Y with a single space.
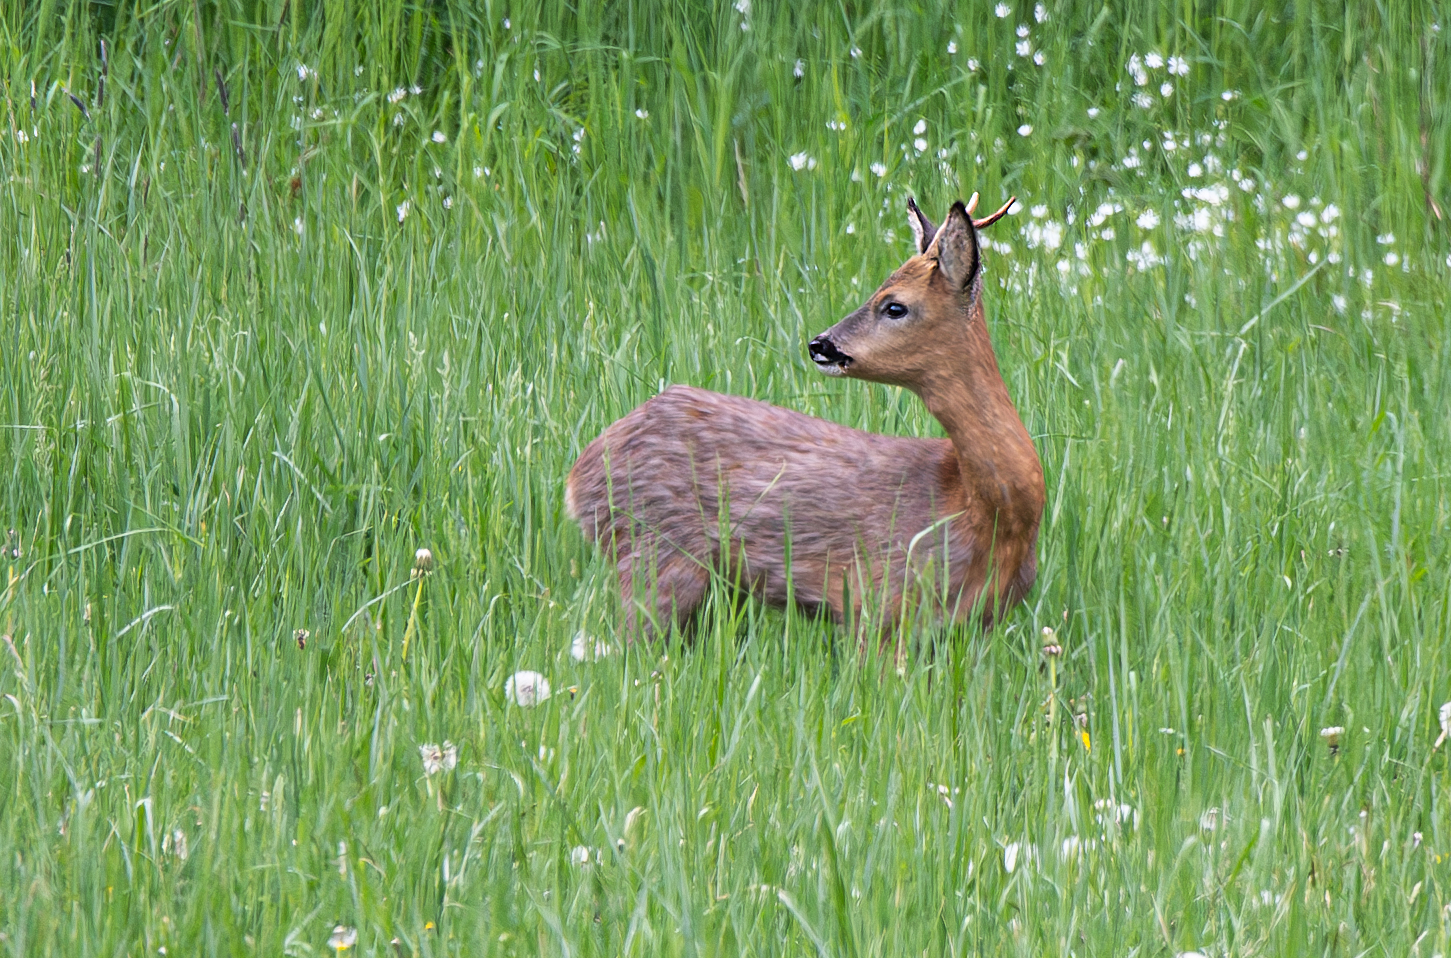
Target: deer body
x=793 y=508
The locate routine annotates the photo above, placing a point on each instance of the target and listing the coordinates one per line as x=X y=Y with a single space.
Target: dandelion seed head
x=584 y=648
x=526 y=689
x=438 y=758
x=342 y=938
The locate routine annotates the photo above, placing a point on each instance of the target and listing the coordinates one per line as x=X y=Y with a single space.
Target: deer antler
x=990 y=220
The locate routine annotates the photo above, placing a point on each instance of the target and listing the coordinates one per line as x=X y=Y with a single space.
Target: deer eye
x=895 y=310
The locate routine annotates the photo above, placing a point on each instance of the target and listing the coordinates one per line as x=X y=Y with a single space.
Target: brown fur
x=792 y=508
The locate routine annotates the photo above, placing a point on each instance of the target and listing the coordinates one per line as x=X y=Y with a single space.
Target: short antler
x=990 y=220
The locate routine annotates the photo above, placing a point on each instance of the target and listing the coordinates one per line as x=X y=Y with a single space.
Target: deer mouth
x=827 y=357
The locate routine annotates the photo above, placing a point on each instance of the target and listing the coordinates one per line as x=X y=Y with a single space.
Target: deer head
x=921 y=314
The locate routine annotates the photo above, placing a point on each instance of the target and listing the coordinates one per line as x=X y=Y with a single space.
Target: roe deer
x=796 y=509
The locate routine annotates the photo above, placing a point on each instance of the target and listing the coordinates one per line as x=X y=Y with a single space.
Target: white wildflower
x=403 y=210
x=1166 y=89
x=802 y=161
x=1392 y=258
x=1025 y=129
x=1143 y=101
x=642 y=114
x=799 y=70
x=1386 y=239
x=1040 y=58
x=1178 y=66
x=951 y=47
x=1153 y=61
x=1023 y=30
x=397 y=95
x=1093 y=113
x=1445 y=717
x=1195 y=171
x=1291 y=202
x=1329 y=213
x=878 y=168
x=1340 y=304
x=972 y=64
x=1040 y=13
x=1148 y=219
x=920 y=128
x=1002 y=10
x=1024 y=48
x=580 y=854
x=439 y=136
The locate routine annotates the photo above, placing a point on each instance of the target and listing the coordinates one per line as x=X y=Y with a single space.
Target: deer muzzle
x=827 y=357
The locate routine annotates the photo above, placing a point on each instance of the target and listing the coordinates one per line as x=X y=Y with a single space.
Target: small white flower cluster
x=802 y=161
x=1138 y=69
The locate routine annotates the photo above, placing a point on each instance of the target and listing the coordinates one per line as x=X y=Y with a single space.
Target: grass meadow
x=289 y=291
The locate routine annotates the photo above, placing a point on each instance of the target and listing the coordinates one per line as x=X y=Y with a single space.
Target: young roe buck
x=797 y=509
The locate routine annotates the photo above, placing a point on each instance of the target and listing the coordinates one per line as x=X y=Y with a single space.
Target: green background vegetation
x=240 y=388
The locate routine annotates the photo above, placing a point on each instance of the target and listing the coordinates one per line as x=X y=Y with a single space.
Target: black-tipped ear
x=922 y=227
x=955 y=248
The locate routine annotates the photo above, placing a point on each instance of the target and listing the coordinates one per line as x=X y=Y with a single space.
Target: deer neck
x=999 y=468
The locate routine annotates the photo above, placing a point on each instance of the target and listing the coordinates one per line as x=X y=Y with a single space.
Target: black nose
x=824 y=352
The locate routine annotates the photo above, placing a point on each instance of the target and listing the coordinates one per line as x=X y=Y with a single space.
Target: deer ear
x=922 y=227
x=955 y=248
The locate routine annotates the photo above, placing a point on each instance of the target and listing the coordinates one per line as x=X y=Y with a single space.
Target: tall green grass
x=258 y=348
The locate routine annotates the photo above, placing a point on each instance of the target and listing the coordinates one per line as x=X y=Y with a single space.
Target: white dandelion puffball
x=438 y=758
x=587 y=649
x=526 y=689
